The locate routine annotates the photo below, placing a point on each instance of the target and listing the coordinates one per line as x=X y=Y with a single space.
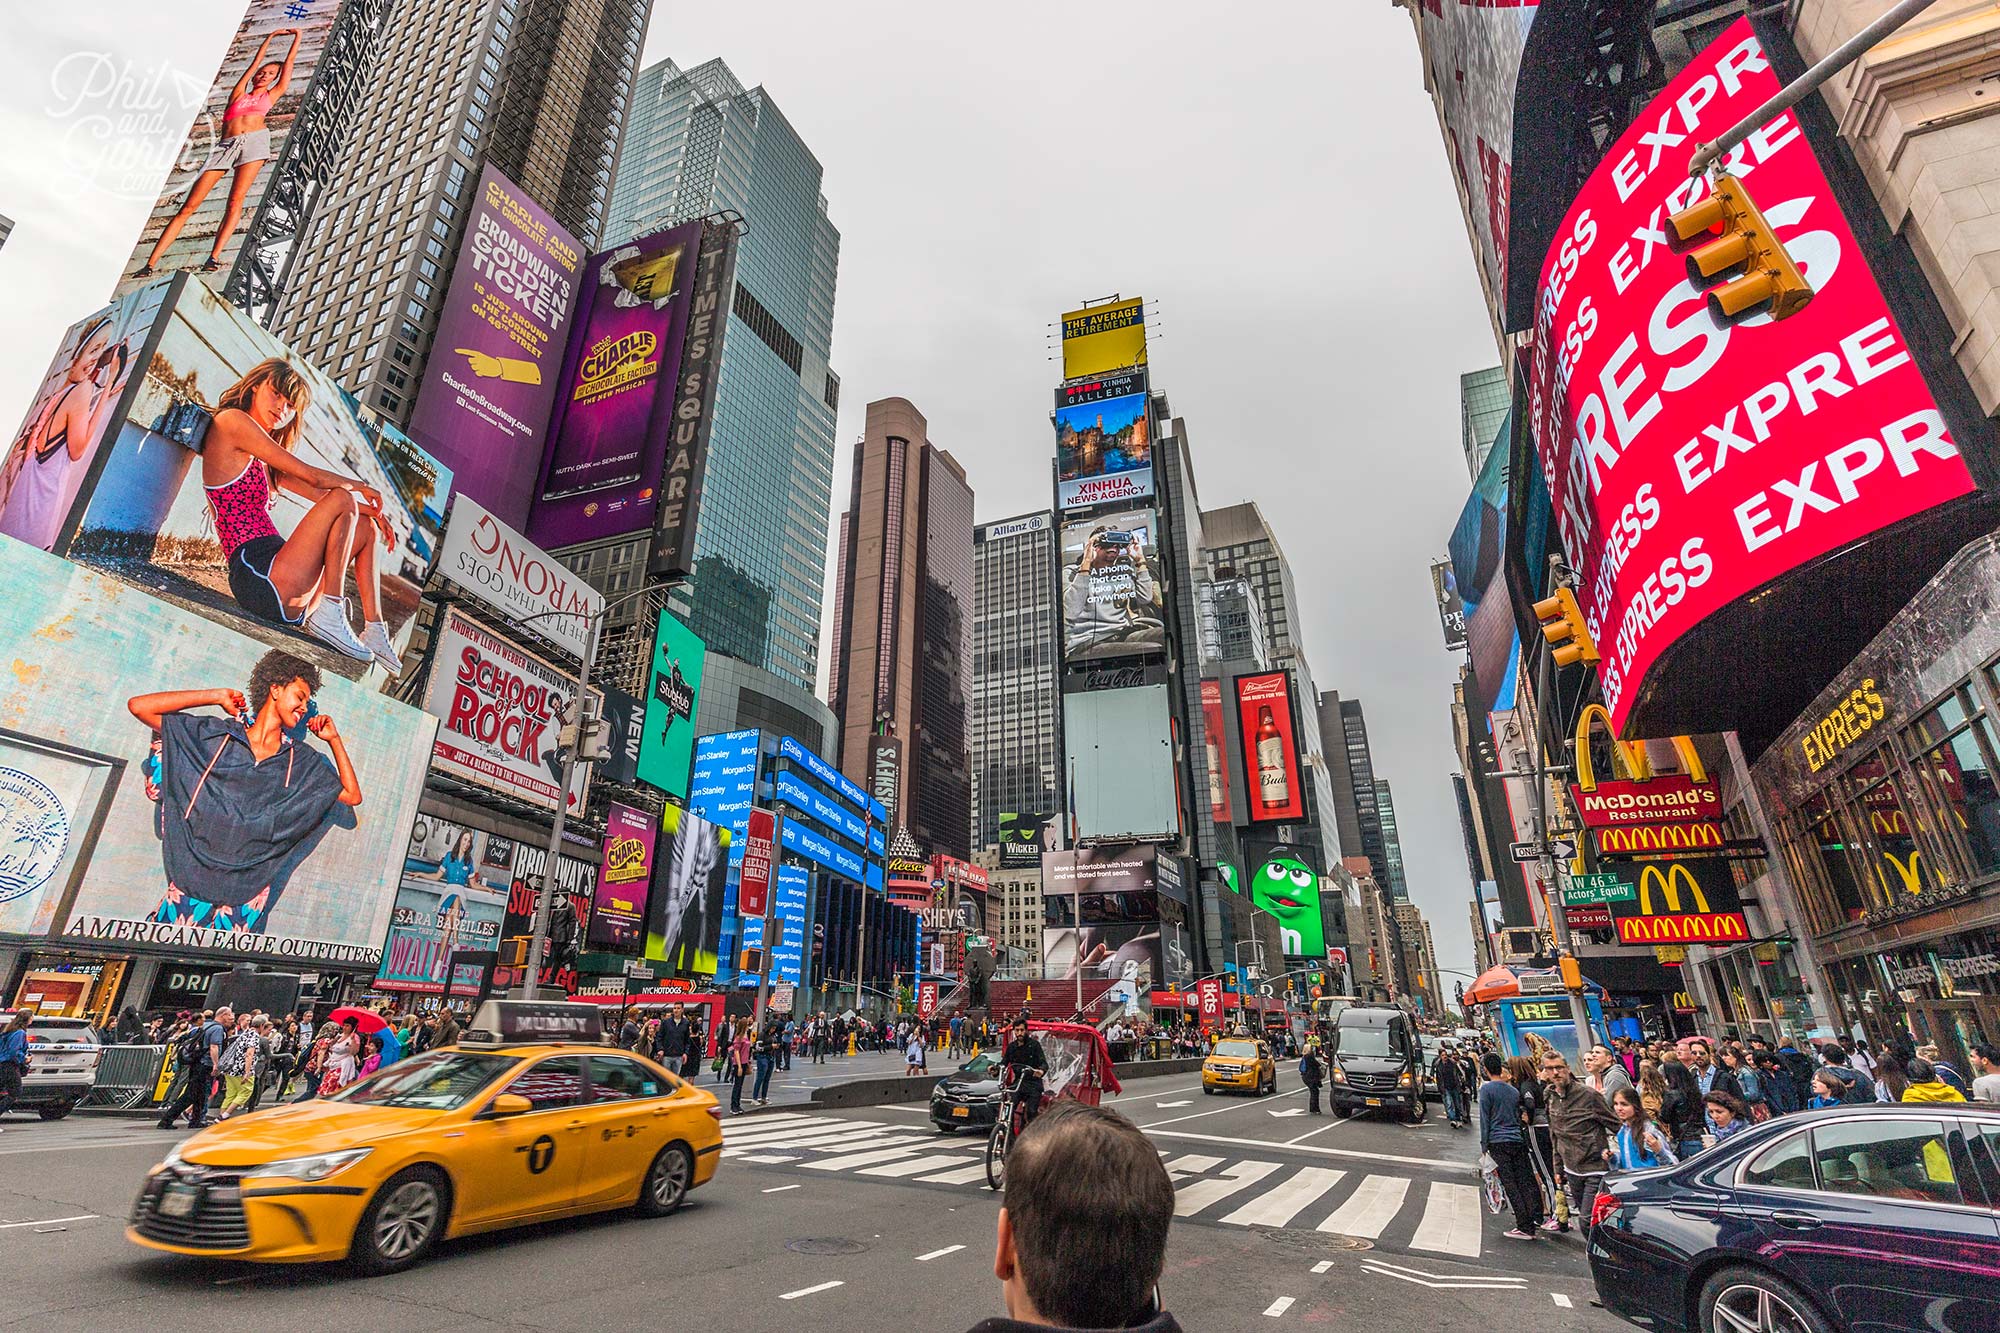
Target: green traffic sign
x=1598 y=890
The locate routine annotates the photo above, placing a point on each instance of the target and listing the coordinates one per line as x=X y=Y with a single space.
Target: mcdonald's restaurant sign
x=1675 y=836
x=1671 y=799
x=1683 y=902
x=1684 y=1003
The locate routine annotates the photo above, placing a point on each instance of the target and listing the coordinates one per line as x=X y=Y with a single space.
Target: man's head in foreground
x=1083 y=1232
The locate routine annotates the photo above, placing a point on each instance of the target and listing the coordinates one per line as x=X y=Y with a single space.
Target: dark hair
x=1987 y=1051
x=1626 y=1092
x=1833 y=1053
x=1920 y=1071
x=1090 y=1205
x=275 y=670
x=1493 y=1064
x=1729 y=1102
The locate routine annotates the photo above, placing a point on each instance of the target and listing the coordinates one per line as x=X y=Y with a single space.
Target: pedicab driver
x=1025 y=1064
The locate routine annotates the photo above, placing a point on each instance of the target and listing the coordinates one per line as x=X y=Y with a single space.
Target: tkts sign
x=1663 y=800
x=1684 y=902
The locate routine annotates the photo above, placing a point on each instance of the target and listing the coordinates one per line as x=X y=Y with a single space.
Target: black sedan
x=968 y=1096
x=1865 y=1219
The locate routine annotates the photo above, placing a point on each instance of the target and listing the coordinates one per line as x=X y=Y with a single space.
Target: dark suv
x=1376 y=1061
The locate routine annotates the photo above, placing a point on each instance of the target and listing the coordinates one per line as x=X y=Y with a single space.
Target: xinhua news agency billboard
x=1692 y=462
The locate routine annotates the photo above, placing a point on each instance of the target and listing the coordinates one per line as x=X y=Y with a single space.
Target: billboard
x=241 y=479
x=790 y=891
x=80 y=401
x=1214 y=738
x=686 y=462
x=753 y=868
x=575 y=881
x=1275 y=786
x=500 y=706
x=1023 y=839
x=1101 y=915
x=1683 y=902
x=1691 y=461
x=1104 y=452
x=673 y=691
x=1112 y=604
x=607 y=438
x=498 y=566
x=453 y=895
x=1121 y=763
x=1451 y=607
x=690 y=881
x=724 y=778
x=1283 y=883
x=618 y=911
x=118 y=707
x=832 y=777
x=483 y=405
x=1104 y=338
x=231 y=152
x=1669 y=799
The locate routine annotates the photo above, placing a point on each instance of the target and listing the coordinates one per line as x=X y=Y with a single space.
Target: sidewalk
x=794 y=1086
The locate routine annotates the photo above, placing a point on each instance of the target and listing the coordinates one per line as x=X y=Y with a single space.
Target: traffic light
x=1745 y=242
x=1572 y=973
x=1562 y=625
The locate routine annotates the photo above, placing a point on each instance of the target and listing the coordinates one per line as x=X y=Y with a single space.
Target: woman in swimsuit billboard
x=298 y=580
x=34 y=483
x=244 y=149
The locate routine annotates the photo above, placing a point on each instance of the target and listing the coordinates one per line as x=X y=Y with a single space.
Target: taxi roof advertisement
x=1690 y=461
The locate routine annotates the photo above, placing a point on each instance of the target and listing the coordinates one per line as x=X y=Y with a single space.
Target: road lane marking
x=878 y=1154
x=759 y=1134
x=1322 y=1265
x=1370 y=1209
x=1442 y=1281
x=807 y=1291
x=1170 y=1106
x=1217 y=1111
x=815 y=1139
x=47 y=1221
x=939 y=1254
x=1193 y=1164
x=964 y=1175
x=763 y=1159
x=1265 y=1145
x=914 y=1166
x=780 y=1189
x=1279 y=1206
x=1192 y=1198
x=1278 y=1307
x=155 y=1140
x=1335 y=1123
x=1562 y=1300
x=1451 y=1220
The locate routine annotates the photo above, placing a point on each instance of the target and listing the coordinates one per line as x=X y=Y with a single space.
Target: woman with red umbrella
x=343 y=1054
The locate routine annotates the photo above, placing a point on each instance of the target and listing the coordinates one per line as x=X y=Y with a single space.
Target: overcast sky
x=1271 y=179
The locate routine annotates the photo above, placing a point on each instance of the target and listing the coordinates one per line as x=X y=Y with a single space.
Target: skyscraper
x=698 y=143
x=1013 y=711
x=1392 y=843
x=905 y=628
x=1483 y=400
x=538 y=88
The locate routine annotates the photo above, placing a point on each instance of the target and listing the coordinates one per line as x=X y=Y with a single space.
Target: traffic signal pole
x=1807 y=83
x=1579 y=1010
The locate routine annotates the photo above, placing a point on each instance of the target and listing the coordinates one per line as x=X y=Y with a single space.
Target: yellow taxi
x=529 y=1118
x=1240 y=1064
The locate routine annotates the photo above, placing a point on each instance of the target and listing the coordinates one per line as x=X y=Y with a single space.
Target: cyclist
x=1024 y=1064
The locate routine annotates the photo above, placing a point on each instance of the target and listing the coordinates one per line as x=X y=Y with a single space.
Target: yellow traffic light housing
x=1746 y=243
x=1562 y=625
x=1571 y=971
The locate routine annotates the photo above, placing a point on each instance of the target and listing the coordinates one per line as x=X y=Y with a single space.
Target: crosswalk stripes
x=1438 y=1216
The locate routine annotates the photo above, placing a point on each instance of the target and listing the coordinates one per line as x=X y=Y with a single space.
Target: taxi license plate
x=961 y=1111
x=1374 y=1101
x=179 y=1200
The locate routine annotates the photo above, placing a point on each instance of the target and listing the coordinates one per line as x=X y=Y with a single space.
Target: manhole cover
x=1312 y=1242
x=825 y=1245
x=1349 y=1243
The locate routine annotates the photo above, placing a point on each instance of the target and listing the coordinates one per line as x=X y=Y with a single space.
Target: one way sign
x=1562 y=849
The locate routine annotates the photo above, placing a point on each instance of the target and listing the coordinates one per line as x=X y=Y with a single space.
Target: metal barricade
x=127 y=1076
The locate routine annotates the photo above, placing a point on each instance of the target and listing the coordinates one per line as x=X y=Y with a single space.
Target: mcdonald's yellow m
x=1669 y=880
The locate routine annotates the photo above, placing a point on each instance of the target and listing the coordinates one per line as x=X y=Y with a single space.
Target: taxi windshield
x=1237 y=1050
x=435 y=1081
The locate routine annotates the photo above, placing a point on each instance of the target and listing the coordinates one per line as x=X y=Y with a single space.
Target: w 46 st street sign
x=1598 y=890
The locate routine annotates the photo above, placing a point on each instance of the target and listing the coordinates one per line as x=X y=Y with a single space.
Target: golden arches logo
x=1629 y=755
x=1659 y=837
x=1910 y=871
x=1669 y=881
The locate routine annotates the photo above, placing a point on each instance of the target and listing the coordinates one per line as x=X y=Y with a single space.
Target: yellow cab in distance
x=529 y=1117
x=1240 y=1064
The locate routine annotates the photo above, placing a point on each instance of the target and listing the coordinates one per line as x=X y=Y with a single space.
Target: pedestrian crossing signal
x=1744 y=241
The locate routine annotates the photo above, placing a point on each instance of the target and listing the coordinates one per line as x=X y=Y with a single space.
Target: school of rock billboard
x=1692 y=462
x=501 y=708
x=172 y=785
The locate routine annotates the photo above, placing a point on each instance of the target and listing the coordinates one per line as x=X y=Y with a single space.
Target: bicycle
x=1006 y=1128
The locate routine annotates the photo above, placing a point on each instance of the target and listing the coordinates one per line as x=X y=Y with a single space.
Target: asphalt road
x=822 y=1239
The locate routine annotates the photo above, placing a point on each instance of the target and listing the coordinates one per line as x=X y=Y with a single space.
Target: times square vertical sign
x=1691 y=461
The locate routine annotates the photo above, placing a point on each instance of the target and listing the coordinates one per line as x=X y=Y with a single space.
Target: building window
x=1958 y=763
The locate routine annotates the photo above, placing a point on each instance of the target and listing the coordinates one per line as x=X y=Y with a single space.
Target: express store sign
x=1691 y=461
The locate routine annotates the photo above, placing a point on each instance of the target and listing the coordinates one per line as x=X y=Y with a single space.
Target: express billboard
x=690 y=883
x=1104 y=338
x=624 y=878
x=484 y=556
x=1691 y=461
x=453 y=896
x=1264 y=719
x=1121 y=763
x=1112 y=603
x=614 y=406
x=1104 y=452
x=226 y=163
x=175 y=495
x=501 y=707
x=673 y=694
x=130 y=739
x=483 y=405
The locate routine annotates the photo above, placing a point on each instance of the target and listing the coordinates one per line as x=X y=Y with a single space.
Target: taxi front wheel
x=402 y=1223
x=667 y=1181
